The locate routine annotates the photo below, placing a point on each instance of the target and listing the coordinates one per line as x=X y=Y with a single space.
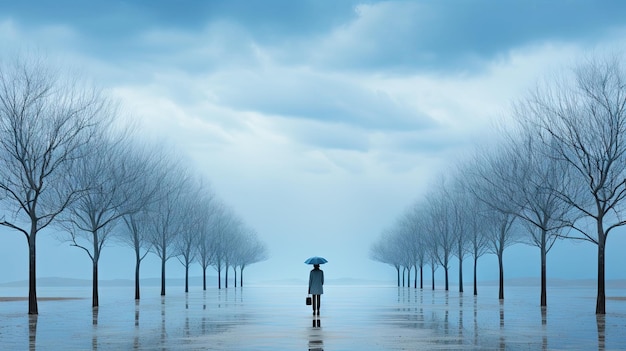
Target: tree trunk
x=403 y=270
x=186 y=277
x=421 y=277
x=241 y=276
x=544 y=293
x=433 y=277
x=408 y=277
x=460 y=274
x=475 y=277
x=137 y=264
x=163 y=274
x=204 y=278
x=601 y=301
x=94 y=289
x=32 y=274
x=235 y=275
x=501 y=285
x=398 y=271
x=445 y=270
x=94 y=283
x=219 y=277
x=415 y=278
x=226 y=278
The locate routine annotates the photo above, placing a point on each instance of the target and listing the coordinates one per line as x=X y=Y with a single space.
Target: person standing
x=316 y=287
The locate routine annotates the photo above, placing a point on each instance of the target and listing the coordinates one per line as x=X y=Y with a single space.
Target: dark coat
x=316 y=282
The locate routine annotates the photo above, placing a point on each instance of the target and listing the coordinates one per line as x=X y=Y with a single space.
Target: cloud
x=376 y=37
x=315 y=95
x=420 y=36
x=383 y=36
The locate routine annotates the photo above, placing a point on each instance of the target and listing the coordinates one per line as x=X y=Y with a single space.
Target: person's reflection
x=316 y=342
x=32 y=332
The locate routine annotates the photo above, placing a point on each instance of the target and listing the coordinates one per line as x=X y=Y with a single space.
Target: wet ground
x=276 y=318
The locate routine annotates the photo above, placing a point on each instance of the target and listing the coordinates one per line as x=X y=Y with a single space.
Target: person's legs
x=318 y=298
x=314 y=304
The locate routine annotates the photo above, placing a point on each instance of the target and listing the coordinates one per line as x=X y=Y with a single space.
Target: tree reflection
x=163 y=331
x=475 y=320
x=137 y=313
x=94 y=323
x=544 y=323
x=502 y=338
x=32 y=332
x=460 y=316
x=601 y=324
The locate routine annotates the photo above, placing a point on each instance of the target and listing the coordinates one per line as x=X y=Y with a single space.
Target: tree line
x=69 y=162
x=556 y=171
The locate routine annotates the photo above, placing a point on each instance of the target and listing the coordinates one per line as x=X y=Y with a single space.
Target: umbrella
x=316 y=260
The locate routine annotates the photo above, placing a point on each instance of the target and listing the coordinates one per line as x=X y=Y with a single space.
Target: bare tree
x=442 y=231
x=231 y=240
x=135 y=234
x=475 y=231
x=148 y=160
x=192 y=218
x=165 y=222
x=584 y=122
x=406 y=261
x=111 y=179
x=254 y=250
x=386 y=250
x=224 y=224
x=488 y=180
x=237 y=251
x=413 y=222
x=45 y=123
x=501 y=234
x=533 y=186
x=207 y=243
x=434 y=264
x=459 y=222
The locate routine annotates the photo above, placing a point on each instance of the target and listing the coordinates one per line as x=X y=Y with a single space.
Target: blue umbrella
x=316 y=260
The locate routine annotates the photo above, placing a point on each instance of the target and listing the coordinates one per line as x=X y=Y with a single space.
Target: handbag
x=308 y=301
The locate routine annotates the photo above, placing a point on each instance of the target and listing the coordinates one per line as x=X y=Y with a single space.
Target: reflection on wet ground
x=316 y=336
x=352 y=318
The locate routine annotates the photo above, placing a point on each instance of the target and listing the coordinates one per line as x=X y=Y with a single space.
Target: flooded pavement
x=276 y=318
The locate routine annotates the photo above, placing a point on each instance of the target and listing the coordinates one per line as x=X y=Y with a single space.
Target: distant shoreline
x=212 y=282
x=77 y=283
x=25 y=298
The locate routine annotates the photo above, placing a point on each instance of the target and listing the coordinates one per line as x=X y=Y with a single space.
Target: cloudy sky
x=319 y=122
